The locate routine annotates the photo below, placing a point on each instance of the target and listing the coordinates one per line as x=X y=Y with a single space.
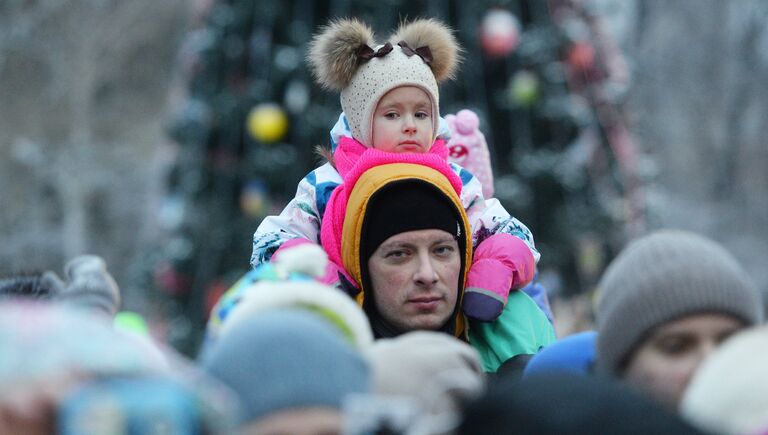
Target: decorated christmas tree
x=543 y=77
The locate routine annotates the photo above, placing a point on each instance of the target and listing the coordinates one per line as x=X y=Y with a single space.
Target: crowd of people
x=392 y=297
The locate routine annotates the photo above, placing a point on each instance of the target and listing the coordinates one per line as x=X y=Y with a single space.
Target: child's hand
x=501 y=263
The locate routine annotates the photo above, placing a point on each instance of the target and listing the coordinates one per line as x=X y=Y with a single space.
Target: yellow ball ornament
x=267 y=123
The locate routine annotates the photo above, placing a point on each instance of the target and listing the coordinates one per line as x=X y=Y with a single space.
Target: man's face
x=665 y=361
x=415 y=279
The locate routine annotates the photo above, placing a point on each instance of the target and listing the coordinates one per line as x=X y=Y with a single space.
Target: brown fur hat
x=345 y=56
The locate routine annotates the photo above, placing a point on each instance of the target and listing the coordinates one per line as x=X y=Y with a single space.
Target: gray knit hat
x=286 y=359
x=345 y=57
x=662 y=277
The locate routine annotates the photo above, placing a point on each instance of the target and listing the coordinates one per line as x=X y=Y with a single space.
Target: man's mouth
x=425 y=303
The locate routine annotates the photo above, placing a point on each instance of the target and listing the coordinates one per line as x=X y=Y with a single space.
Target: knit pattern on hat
x=377 y=77
x=286 y=359
x=662 y=277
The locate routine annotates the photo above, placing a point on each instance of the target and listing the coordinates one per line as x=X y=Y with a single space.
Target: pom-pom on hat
x=290 y=281
x=344 y=56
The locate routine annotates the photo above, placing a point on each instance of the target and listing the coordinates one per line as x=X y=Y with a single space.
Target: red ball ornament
x=499 y=33
x=581 y=56
x=170 y=280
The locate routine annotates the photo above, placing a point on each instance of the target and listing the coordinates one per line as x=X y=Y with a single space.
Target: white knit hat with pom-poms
x=334 y=56
x=290 y=281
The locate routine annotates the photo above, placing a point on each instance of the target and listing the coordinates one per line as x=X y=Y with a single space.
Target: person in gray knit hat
x=664 y=304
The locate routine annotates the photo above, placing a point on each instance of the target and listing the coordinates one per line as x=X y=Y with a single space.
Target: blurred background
x=158 y=134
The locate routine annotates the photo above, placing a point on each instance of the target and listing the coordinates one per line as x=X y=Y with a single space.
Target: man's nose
x=426 y=274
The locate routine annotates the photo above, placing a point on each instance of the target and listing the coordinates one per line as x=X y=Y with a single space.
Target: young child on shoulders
x=390 y=102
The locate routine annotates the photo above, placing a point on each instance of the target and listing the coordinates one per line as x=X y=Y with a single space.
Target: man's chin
x=427 y=323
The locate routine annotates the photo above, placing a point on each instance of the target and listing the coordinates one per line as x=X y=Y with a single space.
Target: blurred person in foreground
x=727 y=395
x=87 y=284
x=435 y=374
x=664 y=305
x=298 y=364
x=291 y=370
x=568 y=404
x=67 y=370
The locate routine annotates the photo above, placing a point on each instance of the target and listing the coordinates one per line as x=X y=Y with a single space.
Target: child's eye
x=391 y=115
x=422 y=115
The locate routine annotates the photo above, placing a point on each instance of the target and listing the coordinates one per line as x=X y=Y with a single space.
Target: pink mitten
x=501 y=263
x=468 y=148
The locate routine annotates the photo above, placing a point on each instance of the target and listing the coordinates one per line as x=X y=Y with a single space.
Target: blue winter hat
x=573 y=354
x=286 y=359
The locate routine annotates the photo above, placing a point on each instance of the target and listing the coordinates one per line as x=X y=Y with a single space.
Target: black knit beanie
x=402 y=206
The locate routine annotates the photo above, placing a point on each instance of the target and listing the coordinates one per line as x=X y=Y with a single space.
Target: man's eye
x=396 y=254
x=444 y=250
